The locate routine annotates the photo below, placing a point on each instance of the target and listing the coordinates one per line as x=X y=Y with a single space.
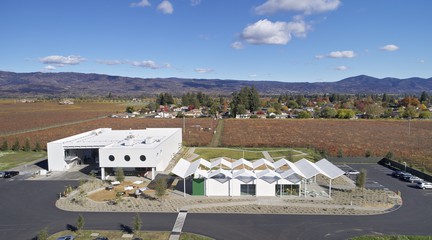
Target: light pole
x=404 y=165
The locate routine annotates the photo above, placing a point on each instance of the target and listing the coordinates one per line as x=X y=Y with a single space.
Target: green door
x=198 y=187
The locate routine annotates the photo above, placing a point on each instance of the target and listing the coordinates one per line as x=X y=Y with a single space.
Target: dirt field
x=411 y=140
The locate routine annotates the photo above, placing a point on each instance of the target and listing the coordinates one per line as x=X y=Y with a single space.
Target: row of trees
x=341 y=106
x=17 y=147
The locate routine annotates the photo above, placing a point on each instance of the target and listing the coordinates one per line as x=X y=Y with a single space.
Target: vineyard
x=20 y=117
x=409 y=140
x=197 y=130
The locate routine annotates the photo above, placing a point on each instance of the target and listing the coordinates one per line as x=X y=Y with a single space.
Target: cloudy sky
x=282 y=40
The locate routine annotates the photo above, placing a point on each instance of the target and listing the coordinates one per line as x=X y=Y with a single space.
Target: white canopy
x=308 y=168
x=329 y=168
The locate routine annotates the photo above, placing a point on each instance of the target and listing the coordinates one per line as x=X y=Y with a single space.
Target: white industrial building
x=150 y=149
x=259 y=178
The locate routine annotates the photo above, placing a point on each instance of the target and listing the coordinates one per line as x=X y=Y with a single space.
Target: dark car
x=397 y=173
x=10 y=174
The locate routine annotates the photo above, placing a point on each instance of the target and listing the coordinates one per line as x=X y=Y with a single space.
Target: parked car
x=352 y=172
x=424 y=185
x=67 y=237
x=2 y=174
x=9 y=174
x=405 y=175
x=412 y=179
x=397 y=173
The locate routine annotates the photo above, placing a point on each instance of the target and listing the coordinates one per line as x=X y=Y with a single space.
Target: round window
x=127 y=158
x=111 y=158
x=143 y=158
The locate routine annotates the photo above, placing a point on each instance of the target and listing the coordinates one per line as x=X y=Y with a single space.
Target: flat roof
x=106 y=137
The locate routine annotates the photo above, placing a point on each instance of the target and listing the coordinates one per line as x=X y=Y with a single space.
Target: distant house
x=193 y=113
x=123 y=115
x=66 y=102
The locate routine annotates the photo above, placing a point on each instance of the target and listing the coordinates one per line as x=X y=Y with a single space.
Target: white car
x=352 y=172
x=424 y=185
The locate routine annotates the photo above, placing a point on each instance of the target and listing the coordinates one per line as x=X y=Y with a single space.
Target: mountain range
x=70 y=84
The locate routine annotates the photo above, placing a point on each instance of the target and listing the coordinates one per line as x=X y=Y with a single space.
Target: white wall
x=168 y=149
x=216 y=188
x=56 y=160
x=264 y=188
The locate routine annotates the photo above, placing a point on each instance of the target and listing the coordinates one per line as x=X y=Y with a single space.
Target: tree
x=5 y=145
x=425 y=114
x=16 y=146
x=37 y=147
x=424 y=98
x=409 y=112
x=161 y=187
x=340 y=153
x=80 y=223
x=361 y=179
x=374 y=110
x=328 y=112
x=43 y=234
x=304 y=114
x=292 y=104
x=389 y=155
x=27 y=146
x=137 y=223
x=119 y=174
x=130 y=109
x=368 y=153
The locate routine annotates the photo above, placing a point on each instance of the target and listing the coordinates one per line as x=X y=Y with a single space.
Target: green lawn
x=210 y=153
x=113 y=235
x=10 y=159
x=392 y=238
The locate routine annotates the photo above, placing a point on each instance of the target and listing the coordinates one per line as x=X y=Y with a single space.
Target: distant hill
x=81 y=85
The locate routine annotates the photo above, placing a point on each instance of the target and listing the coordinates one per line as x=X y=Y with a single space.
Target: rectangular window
x=247 y=189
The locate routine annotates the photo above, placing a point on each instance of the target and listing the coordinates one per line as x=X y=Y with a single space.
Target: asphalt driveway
x=28 y=206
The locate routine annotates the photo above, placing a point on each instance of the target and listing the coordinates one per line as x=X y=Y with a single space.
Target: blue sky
x=281 y=40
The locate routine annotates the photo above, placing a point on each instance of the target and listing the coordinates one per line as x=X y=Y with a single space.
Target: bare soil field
x=19 y=117
x=411 y=140
x=195 y=133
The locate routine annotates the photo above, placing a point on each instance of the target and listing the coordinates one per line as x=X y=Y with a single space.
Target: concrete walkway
x=267 y=156
x=178 y=225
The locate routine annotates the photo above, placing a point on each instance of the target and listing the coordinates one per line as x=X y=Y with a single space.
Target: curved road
x=26 y=207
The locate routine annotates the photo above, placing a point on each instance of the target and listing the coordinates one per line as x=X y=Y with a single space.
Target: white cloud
x=341 y=68
x=145 y=64
x=342 y=54
x=142 y=3
x=422 y=61
x=280 y=33
x=166 y=7
x=62 y=60
x=237 y=45
x=50 y=68
x=304 y=6
x=109 y=62
x=253 y=76
x=389 y=48
x=195 y=2
x=319 y=56
x=203 y=70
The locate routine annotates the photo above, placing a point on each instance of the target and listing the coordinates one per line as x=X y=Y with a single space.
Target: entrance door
x=198 y=187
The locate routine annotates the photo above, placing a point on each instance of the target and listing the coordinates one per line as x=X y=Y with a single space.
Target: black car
x=9 y=174
x=397 y=173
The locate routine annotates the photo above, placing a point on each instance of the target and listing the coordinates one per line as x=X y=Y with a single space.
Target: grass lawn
x=392 y=238
x=210 y=153
x=113 y=235
x=285 y=153
x=10 y=159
